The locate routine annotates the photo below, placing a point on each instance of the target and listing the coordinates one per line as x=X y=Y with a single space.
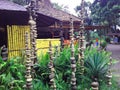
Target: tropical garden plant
x=12 y=75
x=96 y=63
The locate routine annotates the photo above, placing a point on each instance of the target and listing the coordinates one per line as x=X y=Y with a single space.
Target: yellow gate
x=16 y=39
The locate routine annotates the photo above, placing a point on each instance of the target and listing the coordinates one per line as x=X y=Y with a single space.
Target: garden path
x=115 y=49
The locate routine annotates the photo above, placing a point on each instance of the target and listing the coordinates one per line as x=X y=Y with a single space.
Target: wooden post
x=28 y=64
x=52 y=70
x=73 y=61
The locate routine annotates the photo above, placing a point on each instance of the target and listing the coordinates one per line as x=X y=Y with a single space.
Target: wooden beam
x=78 y=26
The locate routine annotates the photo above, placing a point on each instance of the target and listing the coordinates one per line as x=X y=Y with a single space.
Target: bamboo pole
x=24 y=38
x=19 y=36
x=17 y=40
x=12 y=40
x=8 y=39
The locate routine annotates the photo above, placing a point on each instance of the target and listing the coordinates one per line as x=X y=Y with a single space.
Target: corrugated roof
x=8 y=5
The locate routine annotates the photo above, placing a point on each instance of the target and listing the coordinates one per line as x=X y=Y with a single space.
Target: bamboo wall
x=16 y=39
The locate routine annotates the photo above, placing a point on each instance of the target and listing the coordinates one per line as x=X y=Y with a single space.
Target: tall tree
x=105 y=12
x=87 y=13
x=20 y=2
x=60 y=7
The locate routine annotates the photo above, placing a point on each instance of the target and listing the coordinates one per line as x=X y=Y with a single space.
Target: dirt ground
x=115 y=49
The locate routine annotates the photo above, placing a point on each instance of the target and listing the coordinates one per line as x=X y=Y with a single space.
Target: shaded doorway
x=3 y=36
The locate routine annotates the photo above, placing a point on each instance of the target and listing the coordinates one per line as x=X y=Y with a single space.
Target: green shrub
x=103 y=44
x=12 y=75
x=96 y=64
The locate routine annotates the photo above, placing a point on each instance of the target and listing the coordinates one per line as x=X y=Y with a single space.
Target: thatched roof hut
x=11 y=13
x=14 y=14
x=45 y=7
x=8 y=5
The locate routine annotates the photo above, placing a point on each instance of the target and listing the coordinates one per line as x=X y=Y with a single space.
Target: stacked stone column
x=33 y=36
x=33 y=30
x=52 y=70
x=33 y=33
x=28 y=64
x=95 y=84
x=109 y=73
x=72 y=58
x=81 y=40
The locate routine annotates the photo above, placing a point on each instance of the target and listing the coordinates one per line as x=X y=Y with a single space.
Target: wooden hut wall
x=13 y=17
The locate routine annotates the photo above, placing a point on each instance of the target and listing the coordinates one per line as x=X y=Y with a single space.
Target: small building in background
x=14 y=23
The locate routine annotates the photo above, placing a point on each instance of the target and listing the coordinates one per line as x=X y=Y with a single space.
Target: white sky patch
x=70 y=3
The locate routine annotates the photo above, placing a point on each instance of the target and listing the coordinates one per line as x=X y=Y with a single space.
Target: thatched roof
x=12 y=13
x=46 y=8
x=48 y=15
x=8 y=5
x=64 y=16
